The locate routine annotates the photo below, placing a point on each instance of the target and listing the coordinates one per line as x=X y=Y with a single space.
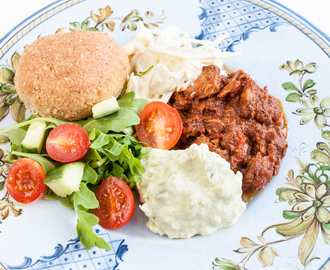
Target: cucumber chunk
x=34 y=137
x=66 y=179
x=105 y=107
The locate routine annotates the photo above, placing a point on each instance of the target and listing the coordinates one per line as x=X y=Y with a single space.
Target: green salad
x=113 y=151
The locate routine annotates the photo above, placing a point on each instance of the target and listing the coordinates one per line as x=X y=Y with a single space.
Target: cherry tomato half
x=116 y=203
x=67 y=143
x=160 y=125
x=25 y=180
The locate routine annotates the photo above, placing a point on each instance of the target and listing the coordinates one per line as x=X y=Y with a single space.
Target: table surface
x=15 y=11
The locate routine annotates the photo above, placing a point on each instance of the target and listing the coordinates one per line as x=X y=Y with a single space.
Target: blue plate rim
x=315 y=29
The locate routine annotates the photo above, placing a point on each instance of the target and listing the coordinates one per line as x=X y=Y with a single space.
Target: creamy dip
x=189 y=192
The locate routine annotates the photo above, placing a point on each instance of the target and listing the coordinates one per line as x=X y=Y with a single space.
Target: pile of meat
x=238 y=120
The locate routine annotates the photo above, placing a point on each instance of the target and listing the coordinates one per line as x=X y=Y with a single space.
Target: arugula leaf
x=129 y=130
x=117 y=170
x=85 y=231
x=121 y=121
x=116 y=148
x=115 y=122
x=101 y=140
x=45 y=163
x=135 y=104
x=16 y=136
x=90 y=175
x=85 y=197
x=67 y=201
x=28 y=122
x=92 y=154
x=82 y=201
x=124 y=153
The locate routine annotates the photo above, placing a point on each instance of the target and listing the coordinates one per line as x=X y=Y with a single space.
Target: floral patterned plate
x=287 y=226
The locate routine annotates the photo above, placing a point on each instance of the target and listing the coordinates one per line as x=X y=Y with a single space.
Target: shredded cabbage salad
x=176 y=61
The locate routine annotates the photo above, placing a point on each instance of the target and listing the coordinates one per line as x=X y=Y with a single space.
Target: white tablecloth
x=15 y=11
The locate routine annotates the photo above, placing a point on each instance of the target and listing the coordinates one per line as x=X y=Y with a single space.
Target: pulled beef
x=238 y=120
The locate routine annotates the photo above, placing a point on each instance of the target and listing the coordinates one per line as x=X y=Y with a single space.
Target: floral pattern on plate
x=104 y=20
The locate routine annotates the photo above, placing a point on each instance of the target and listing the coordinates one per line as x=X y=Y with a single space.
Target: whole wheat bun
x=64 y=75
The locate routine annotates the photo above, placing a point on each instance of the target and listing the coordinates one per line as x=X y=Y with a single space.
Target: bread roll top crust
x=64 y=75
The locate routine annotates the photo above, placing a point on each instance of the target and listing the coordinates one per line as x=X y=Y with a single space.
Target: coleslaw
x=177 y=60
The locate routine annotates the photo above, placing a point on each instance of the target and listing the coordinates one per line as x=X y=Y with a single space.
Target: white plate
x=269 y=37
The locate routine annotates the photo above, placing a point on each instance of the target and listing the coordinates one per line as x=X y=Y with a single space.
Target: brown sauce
x=249 y=194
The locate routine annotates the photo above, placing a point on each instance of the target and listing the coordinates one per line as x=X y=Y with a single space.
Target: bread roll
x=63 y=76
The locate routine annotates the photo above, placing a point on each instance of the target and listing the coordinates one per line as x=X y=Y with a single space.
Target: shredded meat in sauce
x=238 y=120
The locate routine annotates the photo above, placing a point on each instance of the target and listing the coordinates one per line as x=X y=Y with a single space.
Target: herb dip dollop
x=189 y=192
